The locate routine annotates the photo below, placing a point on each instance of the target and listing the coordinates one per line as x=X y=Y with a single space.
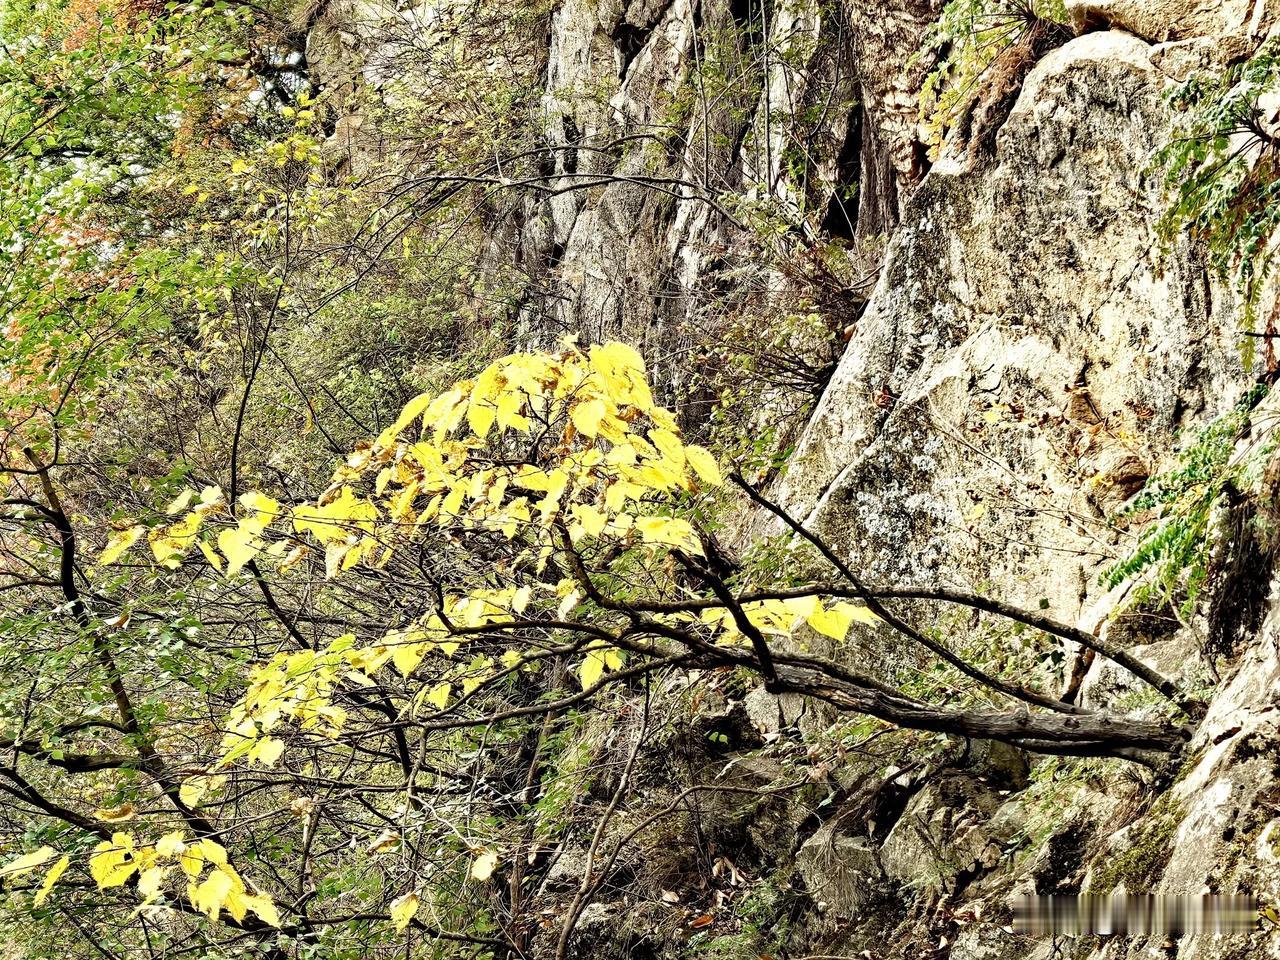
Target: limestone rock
x=1023 y=322
x=986 y=941
x=1160 y=20
x=841 y=872
x=999 y=765
x=771 y=713
x=942 y=834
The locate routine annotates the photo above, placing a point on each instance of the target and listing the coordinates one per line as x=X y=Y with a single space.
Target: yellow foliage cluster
x=555 y=455
x=783 y=617
x=613 y=446
x=551 y=451
x=213 y=885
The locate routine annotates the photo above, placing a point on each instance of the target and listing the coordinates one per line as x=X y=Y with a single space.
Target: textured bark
x=887 y=36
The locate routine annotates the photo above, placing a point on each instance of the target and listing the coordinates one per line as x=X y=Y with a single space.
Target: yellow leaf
x=149 y=881
x=567 y=604
x=264 y=908
x=478 y=677
x=508 y=412
x=113 y=862
x=438 y=696
x=403 y=910
x=589 y=518
x=119 y=814
x=386 y=840
x=193 y=791
x=445 y=412
x=209 y=896
x=619 y=493
x=800 y=608
x=833 y=623
x=412 y=410
x=211 y=851
x=670 y=446
x=453 y=502
x=859 y=614
x=171 y=844
x=520 y=601
x=669 y=531
x=407 y=656
x=211 y=555
x=592 y=669
x=50 y=878
x=180 y=503
x=238 y=547
x=118 y=544
x=622 y=370
x=267 y=751
x=28 y=862
x=191 y=862
x=482 y=410
x=587 y=415
x=172 y=543
x=334 y=521
x=704 y=465
x=483 y=866
x=262 y=510
x=236 y=904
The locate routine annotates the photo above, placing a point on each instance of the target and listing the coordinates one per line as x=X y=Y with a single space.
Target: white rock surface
x=1028 y=354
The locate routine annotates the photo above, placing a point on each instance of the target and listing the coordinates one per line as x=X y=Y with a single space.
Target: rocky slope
x=1030 y=355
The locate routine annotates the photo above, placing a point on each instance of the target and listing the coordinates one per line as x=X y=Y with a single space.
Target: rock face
x=1160 y=20
x=941 y=835
x=1028 y=359
x=841 y=873
x=684 y=113
x=1028 y=353
x=649 y=111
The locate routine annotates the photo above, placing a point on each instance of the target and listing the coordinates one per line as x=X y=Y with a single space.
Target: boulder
x=772 y=713
x=1159 y=20
x=841 y=872
x=942 y=835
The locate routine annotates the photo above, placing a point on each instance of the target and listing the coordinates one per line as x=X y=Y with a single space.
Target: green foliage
x=1171 y=555
x=91 y=98
x=1220 y=165
x=965 y=43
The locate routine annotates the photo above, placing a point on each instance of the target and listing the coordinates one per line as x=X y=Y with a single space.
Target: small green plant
x=1220 y=166
x=966 y=41
x=1139 y=866
x=1172 y=554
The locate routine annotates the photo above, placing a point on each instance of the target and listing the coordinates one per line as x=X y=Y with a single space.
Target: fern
x=1221 y=167
x=1172 y=555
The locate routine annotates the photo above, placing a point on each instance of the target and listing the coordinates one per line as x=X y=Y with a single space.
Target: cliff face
x=1030 y=355
x=1033 y=350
